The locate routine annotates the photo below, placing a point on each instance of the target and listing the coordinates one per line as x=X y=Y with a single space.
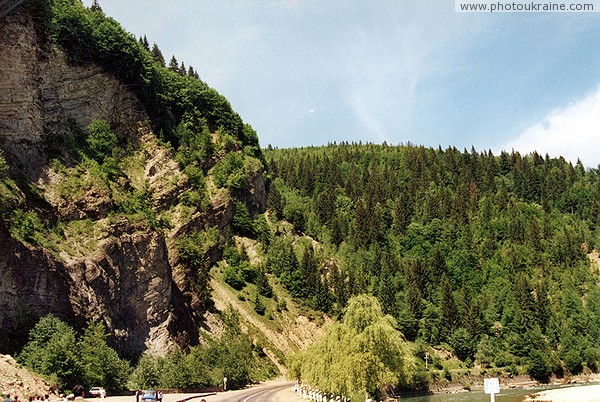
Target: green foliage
x=3 y=166
x=242 y=221
x=101 y=364
x=146 y=373
x=54 y=350
x=462 y=343
x=232 y=276
x=573 y=361
x=363 y=353
x=27 y=226
x=232 y=356
x=171 y=97
x=101 y=141
x=538 y=367
x=195 y=250
x=262 y=284
x=485 y=253
x=259 y=306
x=233 y=171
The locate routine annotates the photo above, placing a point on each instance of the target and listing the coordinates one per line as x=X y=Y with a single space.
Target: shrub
x=259 y=306
x=538 y=367
x=101 y=140
x=241 y=219
x=26 y=226
x=233 y=277
x=54 y=350
x=573 y=361
x=3 y=166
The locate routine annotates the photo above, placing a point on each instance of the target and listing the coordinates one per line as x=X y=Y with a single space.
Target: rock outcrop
x=127 y=275
x=127 y=280
x=32 y=283
x=40 y=93
x=18 y=381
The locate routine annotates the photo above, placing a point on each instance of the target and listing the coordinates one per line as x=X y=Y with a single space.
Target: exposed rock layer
x=40 y=92
x=127 y=282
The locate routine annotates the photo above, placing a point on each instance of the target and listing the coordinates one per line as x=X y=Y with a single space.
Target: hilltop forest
x=491 y=257
x=426 y=262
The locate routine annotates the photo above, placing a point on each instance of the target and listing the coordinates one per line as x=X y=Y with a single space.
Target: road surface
x=270 y=392
x=273 y=391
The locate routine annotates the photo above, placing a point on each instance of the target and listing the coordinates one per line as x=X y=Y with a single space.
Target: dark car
x=149 y=395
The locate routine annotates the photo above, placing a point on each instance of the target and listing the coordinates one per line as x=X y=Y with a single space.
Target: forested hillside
x=490 y=257
x=141 y=219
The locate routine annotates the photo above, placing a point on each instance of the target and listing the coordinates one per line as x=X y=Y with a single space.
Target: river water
x=507 y=395
x=511 y=395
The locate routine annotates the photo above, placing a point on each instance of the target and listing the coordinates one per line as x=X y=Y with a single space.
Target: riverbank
x=564 y=386
x=579 y=393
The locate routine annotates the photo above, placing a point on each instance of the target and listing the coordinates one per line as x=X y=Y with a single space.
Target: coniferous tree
x=473 y=218
x=449 y=311
x=95 y=6
x=362 y=224
x=157 y=55
x=191 y=72
x=173 y=64
x=145 y=43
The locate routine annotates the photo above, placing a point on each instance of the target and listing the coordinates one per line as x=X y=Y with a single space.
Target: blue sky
x=313 y=72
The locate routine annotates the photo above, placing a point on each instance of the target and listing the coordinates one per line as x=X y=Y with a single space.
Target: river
x=507 y=395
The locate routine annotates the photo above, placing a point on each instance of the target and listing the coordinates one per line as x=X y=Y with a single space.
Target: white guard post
x=491 y=386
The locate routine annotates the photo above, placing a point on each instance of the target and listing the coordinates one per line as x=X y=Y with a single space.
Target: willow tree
x=364 y=353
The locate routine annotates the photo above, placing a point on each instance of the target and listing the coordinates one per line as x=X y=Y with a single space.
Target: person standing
x=79 y=393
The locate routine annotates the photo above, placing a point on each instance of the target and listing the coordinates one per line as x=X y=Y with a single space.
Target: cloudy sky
x=311 y=72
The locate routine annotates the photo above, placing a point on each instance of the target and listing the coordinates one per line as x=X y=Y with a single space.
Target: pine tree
x=191 y=72
x=450 y=318
x=95 y=6
x=157 y=55
x=362 y=228
x=145 y=43
x=173 y=64
x=274 y=200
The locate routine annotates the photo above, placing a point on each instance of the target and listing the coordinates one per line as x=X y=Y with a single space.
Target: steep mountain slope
x=492 y=259
x=90 y=232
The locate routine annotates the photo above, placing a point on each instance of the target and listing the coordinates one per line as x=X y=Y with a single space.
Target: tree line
x=485 y=255
x=67 y=357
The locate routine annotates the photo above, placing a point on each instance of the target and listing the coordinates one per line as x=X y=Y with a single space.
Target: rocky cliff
x=40 y=92
x=119 y=271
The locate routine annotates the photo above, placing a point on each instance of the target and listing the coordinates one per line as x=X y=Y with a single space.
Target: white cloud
x=572 y=131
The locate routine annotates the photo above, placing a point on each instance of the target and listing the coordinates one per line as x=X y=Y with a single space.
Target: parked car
x=97 y=391
x=149 y=395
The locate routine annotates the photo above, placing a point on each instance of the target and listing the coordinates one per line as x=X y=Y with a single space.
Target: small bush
x=26 y=226
x=3 y=166
x=259 y=306
x=101 y=141
x=233 y=277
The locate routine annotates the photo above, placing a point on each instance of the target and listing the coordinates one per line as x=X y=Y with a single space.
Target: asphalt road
x=275 y=391
x=271 y=392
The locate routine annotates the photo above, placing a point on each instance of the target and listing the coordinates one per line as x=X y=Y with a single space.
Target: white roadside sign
x=491 y=387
